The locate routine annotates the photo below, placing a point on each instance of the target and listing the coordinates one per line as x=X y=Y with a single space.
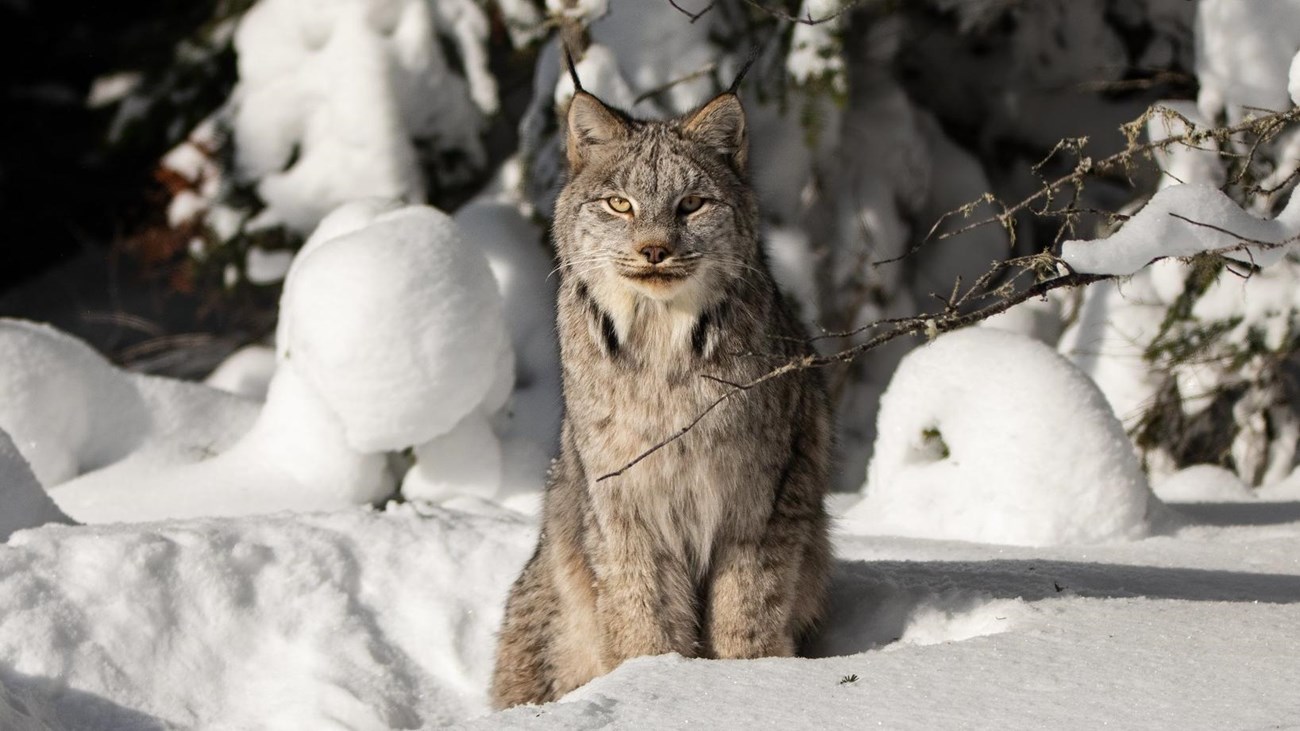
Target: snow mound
x=465 y=461
x=397 y=325
x=1157 y=231
x=390 y=335
x=72 y=413
x=294 y=457
x=67 y=409
x=23 y=502
x=352 y=620
x=985 y=435
x=246 y=372
x=520 y=260
x=1202 y=483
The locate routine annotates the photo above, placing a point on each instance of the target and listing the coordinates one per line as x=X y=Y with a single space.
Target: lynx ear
x=591 y=123
x=720 y=124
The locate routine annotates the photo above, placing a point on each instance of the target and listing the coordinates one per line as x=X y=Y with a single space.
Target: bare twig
x=704 y=71
x=935 y=322
x=807 y=19
x=932 y=323
x=1118 y=161
x=693 y=16
x=124 y=319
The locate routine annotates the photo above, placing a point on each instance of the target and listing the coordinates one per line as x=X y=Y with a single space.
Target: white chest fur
x=679 y=494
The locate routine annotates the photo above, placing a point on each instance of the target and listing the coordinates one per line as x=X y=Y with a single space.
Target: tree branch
x=933 y=323
x=693 y=16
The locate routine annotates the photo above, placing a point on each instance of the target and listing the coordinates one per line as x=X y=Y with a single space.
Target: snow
x=111 y=88
x=1200 y=163
x=390 y=334
x=1005 y=565
x=65 y=407
x=465 y=461
x=246 y=372
x=814 y=48
x=336 y=616
x=1243 y=55
x=519 y=255
x=985 y=435
x=1216 y=223
x=25 y=503
x=352 y=620
x=294 y=457
x=333 y=97
x=264 y=266
x=578 y=9
x=374 y=620
x=1293 y=80
x=1109 y=335
x=1202 y=483
x=396 y=325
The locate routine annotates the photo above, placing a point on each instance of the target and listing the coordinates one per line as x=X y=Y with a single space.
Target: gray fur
x=717 y=545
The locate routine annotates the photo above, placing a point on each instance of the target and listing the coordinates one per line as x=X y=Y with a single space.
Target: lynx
x=715 y=545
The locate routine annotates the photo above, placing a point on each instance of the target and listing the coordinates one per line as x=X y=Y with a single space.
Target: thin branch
x=693 y=16
x=807 y=19
x=1242 y=242
x=1119 y=160
x=933 y=323
x=939 y=322
x=704 y=71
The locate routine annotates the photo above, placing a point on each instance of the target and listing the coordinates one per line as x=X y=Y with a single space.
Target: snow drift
x=985 y=435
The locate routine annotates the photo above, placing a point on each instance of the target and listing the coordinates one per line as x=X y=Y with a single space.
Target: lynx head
x=661 y=209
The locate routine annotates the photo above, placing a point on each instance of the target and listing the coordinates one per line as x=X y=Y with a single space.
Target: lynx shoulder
x=716 y=545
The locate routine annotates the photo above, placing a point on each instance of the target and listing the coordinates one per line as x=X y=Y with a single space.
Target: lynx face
x=656 y=209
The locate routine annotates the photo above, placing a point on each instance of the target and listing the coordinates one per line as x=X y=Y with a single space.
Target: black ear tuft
x=740 y=76
x=720 y=124
x=573 y=69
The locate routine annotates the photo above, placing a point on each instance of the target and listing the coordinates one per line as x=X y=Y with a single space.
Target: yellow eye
x=690 y=204
x=618 y=205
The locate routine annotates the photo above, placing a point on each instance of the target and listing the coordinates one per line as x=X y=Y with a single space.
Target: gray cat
x=715 y=545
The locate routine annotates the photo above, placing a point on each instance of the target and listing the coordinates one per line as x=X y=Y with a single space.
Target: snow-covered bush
x=1200 y=358
x=395 y=320
x=868 y=129
x=335 y=102
x=391 y=335
x=985 y=435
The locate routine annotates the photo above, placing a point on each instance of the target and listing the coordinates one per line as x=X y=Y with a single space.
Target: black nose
x=656 y=253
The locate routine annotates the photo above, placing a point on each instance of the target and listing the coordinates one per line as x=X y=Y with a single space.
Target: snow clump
x=334 y=97
x=67 y=409
x=390 y=335
x=397 y=325
x=1244 y=53
x=1183 y=220
x=1202 y=483
x=246 y=372
x=989 y=436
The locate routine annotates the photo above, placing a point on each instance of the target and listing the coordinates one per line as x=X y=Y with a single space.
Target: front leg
x=768 y=584
x=645 y=600
x=752 y=597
